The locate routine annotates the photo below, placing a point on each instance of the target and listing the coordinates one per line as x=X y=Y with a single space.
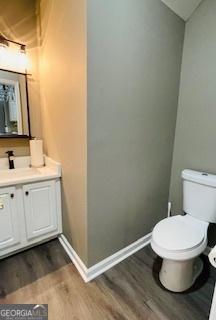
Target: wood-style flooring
x=130 y=290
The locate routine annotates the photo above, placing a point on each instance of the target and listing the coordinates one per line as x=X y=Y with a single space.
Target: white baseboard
x=83 y=270
x=91 y=273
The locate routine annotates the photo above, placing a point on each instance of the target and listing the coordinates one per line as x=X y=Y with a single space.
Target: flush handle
x=1 y=205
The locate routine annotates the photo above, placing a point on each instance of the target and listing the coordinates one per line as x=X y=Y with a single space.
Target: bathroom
x=105 y=106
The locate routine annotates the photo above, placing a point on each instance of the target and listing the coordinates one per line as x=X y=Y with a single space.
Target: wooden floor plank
x=129 y=291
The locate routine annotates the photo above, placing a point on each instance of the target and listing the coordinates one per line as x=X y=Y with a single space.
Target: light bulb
x=23 y=60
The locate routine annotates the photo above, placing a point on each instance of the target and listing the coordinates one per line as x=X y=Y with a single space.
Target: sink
x=18 y=173
x=24 y=173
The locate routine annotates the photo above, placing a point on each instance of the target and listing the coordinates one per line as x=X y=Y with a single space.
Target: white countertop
x=23 y=173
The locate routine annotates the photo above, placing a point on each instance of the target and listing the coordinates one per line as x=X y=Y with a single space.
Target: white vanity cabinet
x=29 y=214
x=41 y=208
x=30 y=206
x=10 y=237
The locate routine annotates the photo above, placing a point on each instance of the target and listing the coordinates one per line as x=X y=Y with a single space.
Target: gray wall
x=195 y=138
x=134 y=60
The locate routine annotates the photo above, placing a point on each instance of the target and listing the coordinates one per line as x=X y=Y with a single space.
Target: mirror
x=14 y=113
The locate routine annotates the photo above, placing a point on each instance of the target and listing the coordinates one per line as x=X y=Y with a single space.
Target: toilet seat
x=179 y=237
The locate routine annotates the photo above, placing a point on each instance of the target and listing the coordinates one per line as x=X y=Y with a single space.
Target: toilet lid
x=177 y=233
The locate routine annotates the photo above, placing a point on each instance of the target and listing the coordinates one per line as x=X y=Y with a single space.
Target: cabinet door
x=40 y=208
x=9 y=221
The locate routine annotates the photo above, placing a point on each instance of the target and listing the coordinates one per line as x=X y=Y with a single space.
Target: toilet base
x=178 y=276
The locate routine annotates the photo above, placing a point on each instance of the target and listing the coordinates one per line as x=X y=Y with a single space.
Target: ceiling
x=183 y=8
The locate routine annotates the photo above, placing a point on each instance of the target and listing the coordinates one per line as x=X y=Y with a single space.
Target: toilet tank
x=199 y=195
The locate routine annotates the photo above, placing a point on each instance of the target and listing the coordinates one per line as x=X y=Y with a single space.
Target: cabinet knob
x=26 y=193
x=12 y=195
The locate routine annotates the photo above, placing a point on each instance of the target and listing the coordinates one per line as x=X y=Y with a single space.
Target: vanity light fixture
x=13 y=55
x=4 y=42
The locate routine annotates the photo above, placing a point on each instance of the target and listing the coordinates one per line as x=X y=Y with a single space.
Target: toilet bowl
x=179 y=240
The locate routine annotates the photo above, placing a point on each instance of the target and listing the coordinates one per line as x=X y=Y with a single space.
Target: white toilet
x=179 y=240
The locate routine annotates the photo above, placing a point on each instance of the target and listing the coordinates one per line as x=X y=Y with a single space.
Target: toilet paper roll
x=212 y=257
x=36 y=151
